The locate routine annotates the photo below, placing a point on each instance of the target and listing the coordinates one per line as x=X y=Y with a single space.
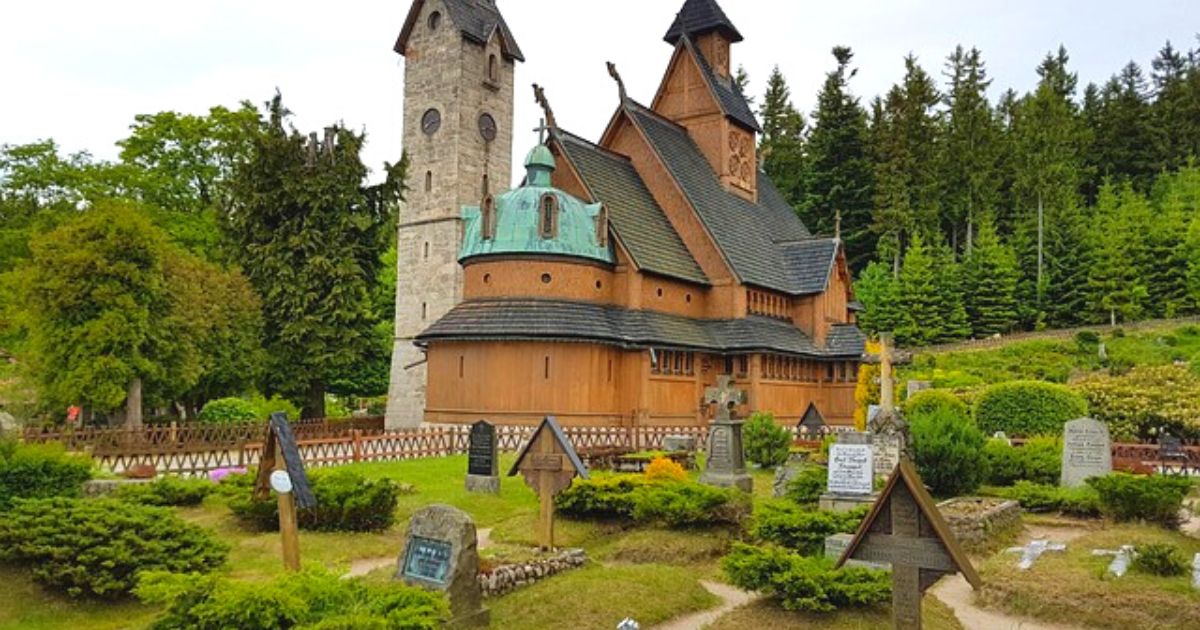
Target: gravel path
x=731 y=598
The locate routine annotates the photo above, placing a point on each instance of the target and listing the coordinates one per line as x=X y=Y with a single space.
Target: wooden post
x=546 y=499
x=288 y=527
x=887 y=391
x=356 y=445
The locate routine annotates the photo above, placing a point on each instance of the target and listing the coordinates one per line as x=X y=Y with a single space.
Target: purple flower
x=217 y=475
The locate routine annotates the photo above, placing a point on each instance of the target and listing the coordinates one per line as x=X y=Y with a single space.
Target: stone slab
x=1087 y=451
x=741 y=481
x=483 y=484
x=845 y=502
x=679 y=443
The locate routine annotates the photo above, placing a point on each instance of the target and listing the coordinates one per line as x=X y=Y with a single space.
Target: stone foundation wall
x=977 y=522
x=510 y=577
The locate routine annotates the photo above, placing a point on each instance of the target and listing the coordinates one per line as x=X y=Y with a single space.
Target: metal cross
x=1031 y=552
x=1121 y=559
x=724 y=396
x=541 y=130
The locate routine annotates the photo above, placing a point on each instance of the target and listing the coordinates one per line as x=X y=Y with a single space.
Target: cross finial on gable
x=541 y=130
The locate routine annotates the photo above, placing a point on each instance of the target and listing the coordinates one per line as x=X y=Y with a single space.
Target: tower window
x=549 y=222
x=435 y=20
x=424 y=310
x=493 y=71
x=485 y=186
x=488 y=218
x=428 y=181
x=426 y=250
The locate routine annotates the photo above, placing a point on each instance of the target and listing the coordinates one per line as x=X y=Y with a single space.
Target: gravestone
x=1034 y=550
x=886 y=448
x=679 y=443
x=7 y=423
x=1196 y=572
x=1087 y=451
x=850 y=477
x=795 y=464
x=441 y=553
x=549 y=464
x=905 y=529
x=281 y=469
x=1121 y=559
x=483 y=459
x=725 y=465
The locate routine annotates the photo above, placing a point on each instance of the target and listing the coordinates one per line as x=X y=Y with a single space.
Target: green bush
x=1161 y=559
x=1027 y=408
x=802 y=530
x=602 y=496
x=804 y=583
x=1087 y=338
x=1039 y=460
x=931 y=400
x=97 y=548
x=673 y=503
x=168 y=491
x=948 y=452
x=264 y=407
x=1083 y=501
x=1154 y=498
x=346 y=501
x=807 y=487
x=764 y=442
x=35 y=471
x=313 y=598
x=1135 y=404
x=228 y=411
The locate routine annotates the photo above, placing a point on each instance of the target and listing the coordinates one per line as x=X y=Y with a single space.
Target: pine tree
x=1124 y=142
x=1176 y=200
x=1005 y=116
x=948 y=276
x=922 y=320
x=782 y=145
x=742 y=80
x=990 y=271
x=970 y=154
x=1117 y=284
x=1176 y=109
x=838 y=169
x=879 y=291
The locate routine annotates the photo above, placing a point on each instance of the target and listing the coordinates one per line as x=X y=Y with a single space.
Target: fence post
x=356 y=445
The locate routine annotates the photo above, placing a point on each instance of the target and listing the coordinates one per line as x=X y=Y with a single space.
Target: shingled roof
x=729 y=95
x=551 y=320
x=810 y=263
x=698 y=17
x=749 y=235
x=639 y=222
x=477 y=19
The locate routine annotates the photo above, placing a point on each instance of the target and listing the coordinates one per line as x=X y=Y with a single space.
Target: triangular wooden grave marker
x=549 y=463
x=812 y=419
x=905 y=528
x=281 y=453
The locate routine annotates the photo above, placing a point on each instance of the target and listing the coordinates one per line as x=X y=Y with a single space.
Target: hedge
x=802 y=530
x=930 y=400
x=33 y=471
x=1155 y=498
x=803 y=583
x=1027 y=408
x=228 y=411
x=1039 y=460
x=672 y=503
x=346 y=501
x=168 y=491
x=1135 y=404
x=1083 y=501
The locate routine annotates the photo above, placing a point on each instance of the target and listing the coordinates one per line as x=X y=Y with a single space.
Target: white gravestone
x=1121 y=559
x=851 y=469
x=1087 y=451
x=1196 y=572
x=1034 y=550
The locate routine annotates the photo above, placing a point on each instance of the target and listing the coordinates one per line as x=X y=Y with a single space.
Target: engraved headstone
x=483 y=461
x=1087 y=451
x=441 y=554
x=886 y=448
x=784 y=474
x=725 y=465
x=851 y=469
x=1034 y=550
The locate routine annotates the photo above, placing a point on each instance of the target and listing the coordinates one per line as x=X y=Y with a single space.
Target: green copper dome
x=537 y=219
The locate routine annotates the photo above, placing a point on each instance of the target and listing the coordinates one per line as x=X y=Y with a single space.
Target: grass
x=763 y=614
x=25 y=606
x=1073 y=587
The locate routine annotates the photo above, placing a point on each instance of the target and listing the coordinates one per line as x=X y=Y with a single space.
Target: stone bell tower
x=460 y=59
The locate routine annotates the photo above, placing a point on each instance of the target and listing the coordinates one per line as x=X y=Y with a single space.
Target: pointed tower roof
x=477 y=19
x=698 y=17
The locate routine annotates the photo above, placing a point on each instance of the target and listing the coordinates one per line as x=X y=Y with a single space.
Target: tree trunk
x=314 y=401
x=133 y=405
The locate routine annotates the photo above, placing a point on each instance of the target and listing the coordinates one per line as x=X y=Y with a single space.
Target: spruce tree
x=1176 y=109
x=1124 y=142
x=879 y=292
x=990 y=273
x=971 y=150
x=782 y=145
x=922 y=320
x=948 y=276
x=1117 y=284
x=1176 y=201
x=838 y=169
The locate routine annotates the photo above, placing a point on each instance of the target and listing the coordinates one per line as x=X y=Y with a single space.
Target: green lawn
x=763 y=615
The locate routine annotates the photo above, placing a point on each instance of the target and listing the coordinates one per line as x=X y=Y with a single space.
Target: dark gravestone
x=441 y=553
x=726 y=463
x=483 y=462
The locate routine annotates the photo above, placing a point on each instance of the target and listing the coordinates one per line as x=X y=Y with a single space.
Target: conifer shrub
x=602 y=496
x=314 y=598
x=948 y=452
x=1152 y=498
x=931 y=400
x=346 y=502
x=764 y=442
x=1083 y=501
x=39 y=471
x=673 y=503
x=1161 y=559
x=663 y=469
x=807 y=487
x=802 y=530
x=228 y=411
x=801 y=583
x=1027 y=408
x=1039 y=460
x=168 y=491
x=97 y=548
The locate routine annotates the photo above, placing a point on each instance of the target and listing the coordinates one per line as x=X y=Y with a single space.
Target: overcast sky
x=78 y=71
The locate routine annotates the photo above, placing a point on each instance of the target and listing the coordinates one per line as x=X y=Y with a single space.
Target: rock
x=441 y=553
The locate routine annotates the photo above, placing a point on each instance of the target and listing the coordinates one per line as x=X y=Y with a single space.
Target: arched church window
x=435 y=20
x=549 y=218
x=487 y=211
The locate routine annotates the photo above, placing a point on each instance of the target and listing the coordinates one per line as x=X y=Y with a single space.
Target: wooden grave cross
x=282 y=469
x=905 y=529
x=549 y=464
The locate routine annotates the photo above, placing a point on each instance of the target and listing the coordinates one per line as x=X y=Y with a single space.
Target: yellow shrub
x=866 y=392
x=663 y=469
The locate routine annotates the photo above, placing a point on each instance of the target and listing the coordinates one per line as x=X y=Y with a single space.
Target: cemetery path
x=731 y=597
x=363 y=566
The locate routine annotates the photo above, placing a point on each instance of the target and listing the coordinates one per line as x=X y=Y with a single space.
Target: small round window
x=660 y=292
x=599 y=285
x=435 y=20
x=546 y=278
x=487 y=278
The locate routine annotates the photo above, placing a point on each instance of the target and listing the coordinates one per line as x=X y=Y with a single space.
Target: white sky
x=78 y=71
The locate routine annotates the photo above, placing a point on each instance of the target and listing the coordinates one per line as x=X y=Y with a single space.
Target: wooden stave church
x=709 y=272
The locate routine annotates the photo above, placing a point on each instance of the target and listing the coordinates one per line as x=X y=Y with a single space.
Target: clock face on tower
x=431 y=122
x=487 y=127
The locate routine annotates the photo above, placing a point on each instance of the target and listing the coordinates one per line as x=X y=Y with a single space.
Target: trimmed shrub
x=228 y=411
x=36 y=471
x=1039 y=460
x=807 y=487
x=313 y=598
x=931 y=400
x=602 y=496
x=948 y=452
x=764 y=442
x=168 y=491
x=1083 y=501
x=663 y=469
x=1156 y=498
x=684 y=504
x=346 y=502
x=1027 y=408
x=1161 y=559
x=803 y=583
x=802 y=530
x=97 y=548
